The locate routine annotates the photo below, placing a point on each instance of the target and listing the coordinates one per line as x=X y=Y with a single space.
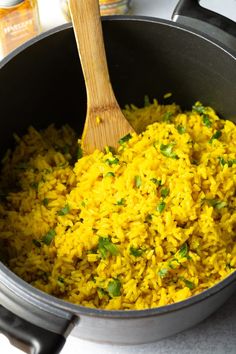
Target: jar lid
x=10 y=3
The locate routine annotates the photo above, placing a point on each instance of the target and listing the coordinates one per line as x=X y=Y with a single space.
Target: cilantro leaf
x=110 y=162
x=181 y=129
x=114 y=288
x=106 y=247
x=136 y=252
x=160 y=207
x=167 y=150
x=64 y=210
x=110 y=174
x=163 y=272
x=137 y=181
x=216 y=135
x=206 y=120
x=183 y=251
x=47 y=239
x=165 y=192
x=125 y=139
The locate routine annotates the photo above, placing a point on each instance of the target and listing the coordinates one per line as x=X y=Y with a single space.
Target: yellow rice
x=148 y=225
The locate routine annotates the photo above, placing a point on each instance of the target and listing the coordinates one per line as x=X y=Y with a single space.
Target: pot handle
x=191 y=14
x=28 y=337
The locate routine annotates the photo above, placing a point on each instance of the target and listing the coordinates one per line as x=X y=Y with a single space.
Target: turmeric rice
x=147 y=225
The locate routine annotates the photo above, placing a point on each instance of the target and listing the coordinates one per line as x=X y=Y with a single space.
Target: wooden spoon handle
x=85 y=16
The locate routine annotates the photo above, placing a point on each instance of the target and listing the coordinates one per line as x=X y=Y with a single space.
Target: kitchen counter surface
x=217 y=334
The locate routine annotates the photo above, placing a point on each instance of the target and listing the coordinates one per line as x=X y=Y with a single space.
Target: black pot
x=39 y=83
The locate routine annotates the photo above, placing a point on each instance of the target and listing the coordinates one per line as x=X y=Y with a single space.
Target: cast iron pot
x=39 y=83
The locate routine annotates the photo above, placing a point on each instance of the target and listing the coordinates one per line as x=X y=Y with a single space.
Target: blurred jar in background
x=107 y=7
x=19 y=21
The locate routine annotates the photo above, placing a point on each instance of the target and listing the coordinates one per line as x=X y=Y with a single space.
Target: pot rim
x=36 y=297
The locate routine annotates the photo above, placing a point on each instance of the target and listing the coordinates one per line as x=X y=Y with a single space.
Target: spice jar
x=107 y=7
x=19 y=21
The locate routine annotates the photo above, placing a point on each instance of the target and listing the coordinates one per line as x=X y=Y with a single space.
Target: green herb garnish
x=223 y=162
x=110 y=162
x=114 y=287
x=206 y=120
x=167 y=150
x=165 y=192
x=199 y=109
x=137 y=181
x=156 y=181
x=36 y=243
x=121 y=201
x=167 y=117
x=34 y=185
x=125 y=139
x=47 y=239
x=216 y=203
x=106 y=247
x=64 y=210
x=189 y=284
x=110 y=174
x=181 y=129
x=45 y=201
x=136 y=252
x=61 y=280
x=216 y=135
x=79 y=152
x=161 y=206
x=183 y=251
x=163 y=272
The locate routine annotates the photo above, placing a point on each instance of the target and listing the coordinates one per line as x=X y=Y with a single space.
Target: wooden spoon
x=105 y=123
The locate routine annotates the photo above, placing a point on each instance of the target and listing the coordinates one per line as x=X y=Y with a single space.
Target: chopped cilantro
x=206 y=120
x=114 y=287
x=189 y=284
x=161 y=206
x=121 y=201
x=167 y=150
x=183 y=251
x=45 y=201
x=34 y=185
x=181 y=129
x=165 y=192
x=106 y=247
x=167 y=117
x=216 y=203
x=61 y=280
x=79 y=152
x=36 y=243
x=199 y=108
x=47 y=239
x=156 y=181
x=101 y=291
x=162 y=272
x=64 y=210
x=223 y=162
x=110 y=162
x=136 y=252
x=216 y=135
x=110 y=174
x=125 y=139
x=137 y=181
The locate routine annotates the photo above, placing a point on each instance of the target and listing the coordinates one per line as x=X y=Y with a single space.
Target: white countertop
x=215 y=335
